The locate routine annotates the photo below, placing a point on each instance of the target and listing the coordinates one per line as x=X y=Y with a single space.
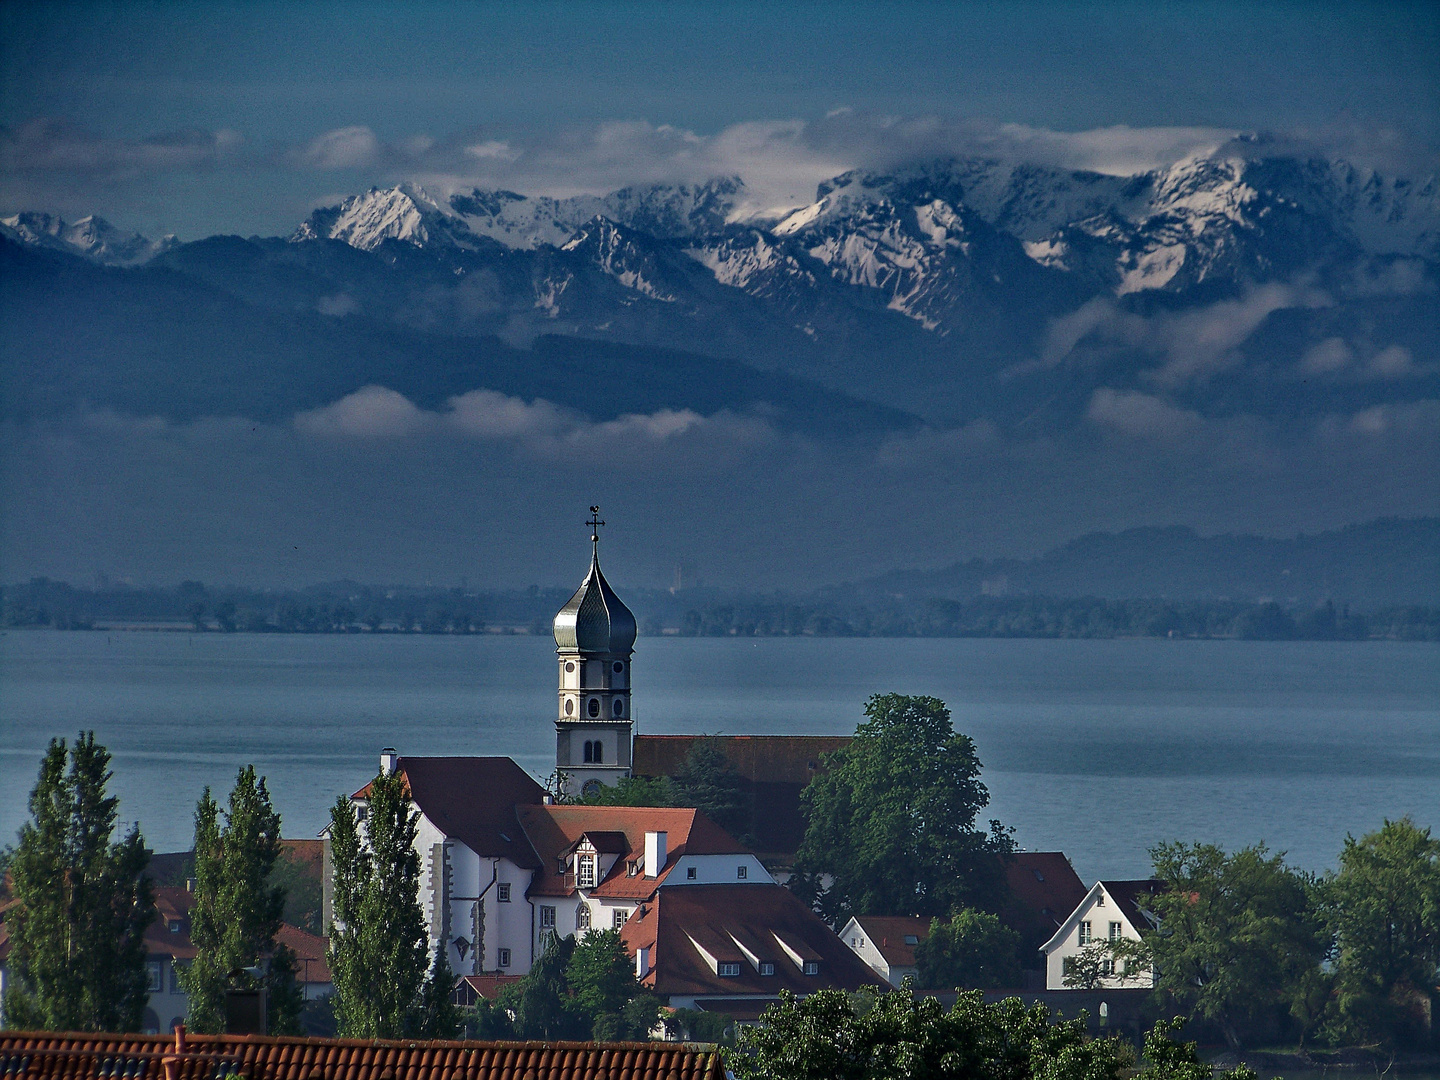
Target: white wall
x=1100 y=910
x=718 y=870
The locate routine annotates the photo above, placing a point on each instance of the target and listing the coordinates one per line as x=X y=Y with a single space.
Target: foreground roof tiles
x=79 y=1056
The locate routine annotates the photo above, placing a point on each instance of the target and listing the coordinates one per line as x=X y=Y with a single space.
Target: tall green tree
x=238 y=911
x=1384 y=909
x=600 y=976
x=708 y=782
x=1240 y=933
x=439 y=1017
x=379 y=950
x=77 y=932
x=892 y=819
x=972 y=950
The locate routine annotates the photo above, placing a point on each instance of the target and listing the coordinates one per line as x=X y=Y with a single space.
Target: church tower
x=594 y=640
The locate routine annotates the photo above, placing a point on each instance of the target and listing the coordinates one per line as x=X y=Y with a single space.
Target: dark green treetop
x=973 y=950
x=892 y=819
x=1384 y=910
x=77 y=932
x=385 y=984
x=1240 y=932
x=237 y=910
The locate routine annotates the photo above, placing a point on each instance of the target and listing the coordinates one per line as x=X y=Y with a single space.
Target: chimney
x=642 y=962
x=654 y=853
x=388 y=758
x=190 y=884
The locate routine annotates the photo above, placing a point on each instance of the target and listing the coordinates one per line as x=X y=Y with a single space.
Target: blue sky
x=198 y=117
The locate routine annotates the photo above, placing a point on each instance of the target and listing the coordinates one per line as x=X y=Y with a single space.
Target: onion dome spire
x=595 y=620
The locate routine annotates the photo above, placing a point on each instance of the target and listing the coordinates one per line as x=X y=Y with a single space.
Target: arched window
x=582 y=917
x=594 y=754
x=594 y=707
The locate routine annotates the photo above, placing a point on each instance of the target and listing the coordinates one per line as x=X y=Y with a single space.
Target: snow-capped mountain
x=91 y=236
x=939 y=241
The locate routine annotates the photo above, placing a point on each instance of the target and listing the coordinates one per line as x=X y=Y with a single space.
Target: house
x=38 y=1055
x=1109 y=911
x=732 y=948
x=470 y=989
x=168 y=949
x=1044 y=890
x=887 y=943
x=502 y=868
x=773 y=770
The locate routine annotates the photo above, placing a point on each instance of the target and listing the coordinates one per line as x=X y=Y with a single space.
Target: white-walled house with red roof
x=1110 y=911
x=504 y=864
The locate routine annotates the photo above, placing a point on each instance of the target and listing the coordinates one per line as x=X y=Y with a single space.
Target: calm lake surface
x=1095 y=748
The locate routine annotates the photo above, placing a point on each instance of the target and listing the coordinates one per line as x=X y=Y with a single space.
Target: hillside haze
x=1243 y=341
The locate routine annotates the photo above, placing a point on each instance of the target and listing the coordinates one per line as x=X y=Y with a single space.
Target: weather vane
x=595 y=522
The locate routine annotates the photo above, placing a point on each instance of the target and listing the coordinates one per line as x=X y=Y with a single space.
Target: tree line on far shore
x=348 y=608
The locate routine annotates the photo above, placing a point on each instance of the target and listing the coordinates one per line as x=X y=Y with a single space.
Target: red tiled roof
x=1044 y=890
x=554 y=830
x=1132 y=897
x=888 y=932
x=471 y=988
x=173 y=906
x=784 y=759
x=78 y=1056
x=722 y=918
x=473 y=799
x=774 y=770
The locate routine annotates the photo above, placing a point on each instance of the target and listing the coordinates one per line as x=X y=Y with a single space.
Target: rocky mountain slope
x=962 y=289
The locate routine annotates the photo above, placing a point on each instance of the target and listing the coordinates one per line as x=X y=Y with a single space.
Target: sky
x=208 y=117
x=204 y=118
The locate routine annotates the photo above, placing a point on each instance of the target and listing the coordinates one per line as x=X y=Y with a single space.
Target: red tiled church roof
x=727 y=920
x=80 y=1056
x=473 y=799
x=555 y=830
x=774 y=759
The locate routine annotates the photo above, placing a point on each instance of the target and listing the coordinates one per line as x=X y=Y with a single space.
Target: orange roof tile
x=555 y=830
x=80 y=1056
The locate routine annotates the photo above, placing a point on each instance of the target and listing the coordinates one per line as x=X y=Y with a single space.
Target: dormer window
x=585 y=872
x=727 y=969
x=174 y=926
x=767 y=968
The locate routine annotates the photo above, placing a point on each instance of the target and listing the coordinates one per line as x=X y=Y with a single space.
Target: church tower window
x=594 y=639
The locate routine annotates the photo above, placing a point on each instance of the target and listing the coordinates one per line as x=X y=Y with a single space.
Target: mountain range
x=952 y=291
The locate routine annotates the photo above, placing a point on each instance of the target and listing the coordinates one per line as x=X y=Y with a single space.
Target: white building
x=886 y=943
x=1111 y=910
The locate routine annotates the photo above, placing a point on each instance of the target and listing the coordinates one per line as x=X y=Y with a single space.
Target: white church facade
x=504 y=864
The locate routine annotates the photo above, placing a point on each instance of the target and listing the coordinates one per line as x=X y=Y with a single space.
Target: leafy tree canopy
x=892 y=819
x=1384 y=909
x=831 y=1036
x=974 y=950
x=77 y=960
x=707 y=782
x=1240 y=932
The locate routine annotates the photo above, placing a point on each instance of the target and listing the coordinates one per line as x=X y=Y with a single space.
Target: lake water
x=1095 y=748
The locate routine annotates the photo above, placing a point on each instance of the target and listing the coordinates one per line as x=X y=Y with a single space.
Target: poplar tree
x=237 y=912
x=378 y=954
x=78 y=930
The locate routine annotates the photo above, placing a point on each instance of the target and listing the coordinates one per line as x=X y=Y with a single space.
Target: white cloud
x=54 y=146
x=1332 y=354
x=1139 y=414
x=344 y=148
x=1394 y=362
x=370 y=412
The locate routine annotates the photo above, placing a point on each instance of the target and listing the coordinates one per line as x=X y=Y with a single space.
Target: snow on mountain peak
x=91 y=236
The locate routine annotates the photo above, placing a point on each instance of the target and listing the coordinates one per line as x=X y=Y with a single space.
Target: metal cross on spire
x=595 y=522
